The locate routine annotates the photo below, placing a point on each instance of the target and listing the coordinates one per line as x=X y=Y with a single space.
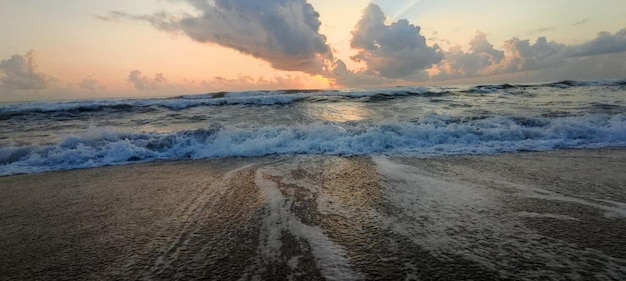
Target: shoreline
x=281 y=156
x=556 y=214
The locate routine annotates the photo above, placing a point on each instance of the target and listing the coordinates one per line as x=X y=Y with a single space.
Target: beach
x=307 y=140
x=558 y=215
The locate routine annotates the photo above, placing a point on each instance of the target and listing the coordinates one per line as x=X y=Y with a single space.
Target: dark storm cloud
x=284 y=33
x=393 y=51
x=19 y=73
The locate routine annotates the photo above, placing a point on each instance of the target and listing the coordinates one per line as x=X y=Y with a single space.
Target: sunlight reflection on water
x=338 y=112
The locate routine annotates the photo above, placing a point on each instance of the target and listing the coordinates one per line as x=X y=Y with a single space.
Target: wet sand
x=527 y=216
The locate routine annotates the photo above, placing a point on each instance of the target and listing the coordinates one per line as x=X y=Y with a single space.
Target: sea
x=403 y=183
x=400 y=121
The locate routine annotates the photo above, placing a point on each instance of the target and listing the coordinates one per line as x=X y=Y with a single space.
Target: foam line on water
x=434 y=135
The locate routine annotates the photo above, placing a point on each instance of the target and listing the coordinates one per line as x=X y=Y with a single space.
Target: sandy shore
x=527 y=216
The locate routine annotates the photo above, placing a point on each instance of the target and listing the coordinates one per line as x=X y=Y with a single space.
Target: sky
x=84 y=49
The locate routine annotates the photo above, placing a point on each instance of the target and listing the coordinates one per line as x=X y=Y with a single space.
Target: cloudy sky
x=67 y=49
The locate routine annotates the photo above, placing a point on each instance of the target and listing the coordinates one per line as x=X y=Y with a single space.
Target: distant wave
x=434 y=135
x=276 y=97
x=492 y=88
x=220 y=99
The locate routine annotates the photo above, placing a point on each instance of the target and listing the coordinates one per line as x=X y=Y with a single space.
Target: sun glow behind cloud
x=92 y=49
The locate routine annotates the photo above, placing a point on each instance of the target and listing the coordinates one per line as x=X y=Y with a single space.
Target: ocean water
x=403 y=121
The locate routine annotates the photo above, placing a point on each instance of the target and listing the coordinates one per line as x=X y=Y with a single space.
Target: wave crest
x=434 y=135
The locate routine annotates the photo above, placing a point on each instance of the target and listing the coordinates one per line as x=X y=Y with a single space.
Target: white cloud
x=477 y=61
x=20 y=73
x=90 y=84
x=246 y=82
x=604 y=43
x=284 y=33
x=161 y=85
x=144 y=83
x=392 y=51
x=521 y=55
x=342 y=76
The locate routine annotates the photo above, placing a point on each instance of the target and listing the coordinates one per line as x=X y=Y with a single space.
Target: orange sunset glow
x=70 y=50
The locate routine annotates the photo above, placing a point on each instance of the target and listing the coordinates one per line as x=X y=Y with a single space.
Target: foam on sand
x=330 y=258
x=525 y=216
x=462 y=216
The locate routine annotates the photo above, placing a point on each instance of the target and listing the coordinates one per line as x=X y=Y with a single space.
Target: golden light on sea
x=343 y=112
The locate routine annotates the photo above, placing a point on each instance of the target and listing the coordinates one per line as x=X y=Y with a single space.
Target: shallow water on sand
x=508 y=217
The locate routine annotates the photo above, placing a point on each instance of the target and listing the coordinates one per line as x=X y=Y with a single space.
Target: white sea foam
x=546 y=215
x=330 y=258
x=435 y=135
x=448 y=216
x=612 y=209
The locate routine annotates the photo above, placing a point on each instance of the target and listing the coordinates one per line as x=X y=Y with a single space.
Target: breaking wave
x=433 y=135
